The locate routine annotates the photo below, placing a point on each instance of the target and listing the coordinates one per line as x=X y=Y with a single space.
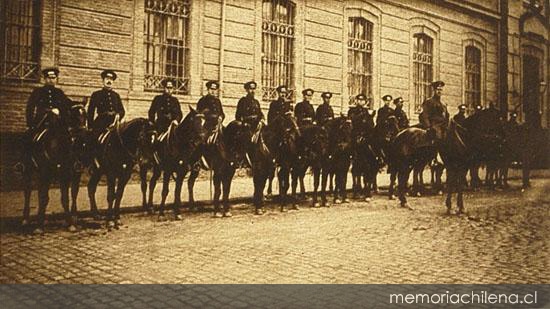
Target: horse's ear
x=374 y=113
x=191 y=109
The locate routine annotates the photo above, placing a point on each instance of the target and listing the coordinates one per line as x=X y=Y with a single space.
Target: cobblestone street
x=504 y=238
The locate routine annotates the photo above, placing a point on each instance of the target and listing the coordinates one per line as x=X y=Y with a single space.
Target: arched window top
x=360 y=28
x=281 y=11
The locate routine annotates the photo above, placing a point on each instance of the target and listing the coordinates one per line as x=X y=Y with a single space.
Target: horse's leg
x=92 y=187
x=259 y=178
x=217 y=192
x=64 y=185
x=111 y=194
x=152 y=184
x=451 y=181
x=343 y=184
x=301 y=177
x=180 y=175
x=459 y=188
x=282 y=177
x=43 y=199
x=324 y=177
x=27 y=190
x=122 y=181
x=331 y=180
x=143 y=183
x=270 y=178
x=526 y=170
x=226 y=185
x=190 y=185
x=316 y=176
x=369 y=178
x=393 y=176
x=164 y=193
x=402 y=180
x=294 y=180
x=75 y=188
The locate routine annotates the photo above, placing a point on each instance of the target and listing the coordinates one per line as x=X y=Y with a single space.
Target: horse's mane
x=131 y=123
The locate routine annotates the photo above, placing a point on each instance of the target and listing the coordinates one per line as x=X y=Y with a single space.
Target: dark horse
x=276 y=146
x=124 y=146
x=176 y=155
x=338 y=158
x=312 y=152
x=56 y=150
x=365 y=155
x=224 y=156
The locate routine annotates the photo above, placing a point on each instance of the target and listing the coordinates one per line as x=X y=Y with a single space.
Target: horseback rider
x=400 y=115
x=304 y=112
x=359 y=108
x=43 y=100
x=248 y=108
x=385 y=111
x=165 y=109
x=280 y=106
x=211 y=106
x=324 y=111
x=434 y=114
x=460 y=117
x=108 y=105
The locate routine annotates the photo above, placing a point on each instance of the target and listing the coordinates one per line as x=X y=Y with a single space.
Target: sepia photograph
x=274 y=142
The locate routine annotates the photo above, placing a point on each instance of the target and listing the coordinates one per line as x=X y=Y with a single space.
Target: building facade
x=493 y=50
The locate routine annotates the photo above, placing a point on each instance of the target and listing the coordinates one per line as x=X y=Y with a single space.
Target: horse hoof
x=368 y=199
x=439 y=192
x=96 y=216
x=259 y=212
x=345 y=201
x=178 y=217
x=316 y=204
x=418 y=194
x=38 y=231
x=337 y=201
x=283 y=209
x=218 y=214
x=110 y=224
x=25 y=223
x=118 y=222
x=269 y=197
x=448 y=212
x=392 y=197
x=406 y=205
x=295 y=207
x=228 y=214
x=71 y=228
x=161 y=218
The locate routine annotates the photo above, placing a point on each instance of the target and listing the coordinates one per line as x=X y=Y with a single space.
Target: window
x=422 y=69
x=277 y=47
x=166 y=44
x=359 y=57
x=20 y=37
x=473 y=77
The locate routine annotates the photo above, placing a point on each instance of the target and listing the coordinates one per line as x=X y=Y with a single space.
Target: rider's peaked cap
x=387 y=97
x=438 y=83
x=326 y=94
x=165 y=82
x=307 y=91
x=50 y=72
x=398 y=100
x=212 y=85
x=250 y=85
x=109 y=73
x=281 y=88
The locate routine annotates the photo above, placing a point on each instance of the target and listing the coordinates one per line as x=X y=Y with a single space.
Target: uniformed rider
x=385 y=111
x=400 y=115
x=165 y=109
x=280 y=106
x=434 y=111
x=248 y=108
x=304 y=111
x=211 y=106
x=106 y=102
x=324 y=111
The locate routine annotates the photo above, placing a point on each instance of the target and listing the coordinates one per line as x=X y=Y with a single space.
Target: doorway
x=531 y=94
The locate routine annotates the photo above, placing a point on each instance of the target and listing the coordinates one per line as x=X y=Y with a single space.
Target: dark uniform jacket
x=107 y=103
x=356 y=111
x=324 y=113
x=164 y=109
x=303 y=111
x=402 y=119
x=433 y=112
x=246 y=107
x=43 y=99
x=277 y=108
x=211 y=106
x=383 y=113
x=459 y=118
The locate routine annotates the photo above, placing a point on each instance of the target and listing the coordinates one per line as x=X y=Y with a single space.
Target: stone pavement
x=504 y=238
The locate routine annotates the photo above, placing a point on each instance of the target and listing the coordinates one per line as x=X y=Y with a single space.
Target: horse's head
x=314 y=142
x=340 y=134
x=388 y=129
x=237 y=137
x=77 y=117
x=192 y=129
x=83 y=147
x=145 y=140
x=287 y=132
x=363 y=123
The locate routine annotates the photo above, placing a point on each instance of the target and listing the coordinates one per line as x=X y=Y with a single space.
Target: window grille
x=473 y=77
x=359 y=57
x=20 y=37
x=278 y=34
x=166 y=44
x=422 y=69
